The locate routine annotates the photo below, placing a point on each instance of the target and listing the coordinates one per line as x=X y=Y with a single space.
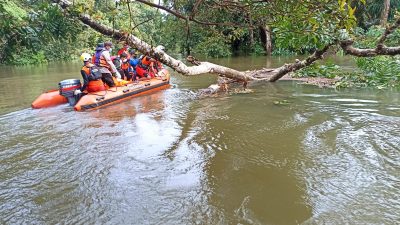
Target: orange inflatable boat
x=112 y=95
x=49 y=99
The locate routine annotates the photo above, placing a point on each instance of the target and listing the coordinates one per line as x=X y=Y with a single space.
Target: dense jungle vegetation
x=37 y=31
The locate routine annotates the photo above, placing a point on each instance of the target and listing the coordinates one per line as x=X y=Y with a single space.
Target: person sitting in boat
x=91 y=76
x=126 y=68
x=107 y=67
x=145 y=67
x=134 y=60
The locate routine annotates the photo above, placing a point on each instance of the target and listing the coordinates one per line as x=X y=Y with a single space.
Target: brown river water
x=326 y=157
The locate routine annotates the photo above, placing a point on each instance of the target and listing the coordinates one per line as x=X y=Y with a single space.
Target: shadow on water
x=324 y=156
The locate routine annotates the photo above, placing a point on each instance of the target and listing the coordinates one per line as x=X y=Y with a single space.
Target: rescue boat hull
x=49 y=99
x=114 y=95
x=110 y=96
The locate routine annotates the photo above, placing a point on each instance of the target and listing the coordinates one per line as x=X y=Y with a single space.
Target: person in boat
x=134 y=62
x=145 y=68
x=124 y=49
x=98 y=50
x=126 y=68
x=91 y=76
x=107 y=67
x=118 y=63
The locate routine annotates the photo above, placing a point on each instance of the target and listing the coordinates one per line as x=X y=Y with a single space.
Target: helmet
x=86 y=57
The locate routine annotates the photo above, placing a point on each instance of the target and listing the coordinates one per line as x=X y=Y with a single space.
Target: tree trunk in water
x=385 y=12
x=266 y=39
x=268 y=47
x=251 y=33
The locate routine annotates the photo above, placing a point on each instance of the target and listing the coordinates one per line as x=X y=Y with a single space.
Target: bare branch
x=190 y=18
x=389 y=30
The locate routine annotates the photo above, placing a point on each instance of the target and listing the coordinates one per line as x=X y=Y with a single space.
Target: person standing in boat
x=107 y=67
x=91 y=76
x=124 y=49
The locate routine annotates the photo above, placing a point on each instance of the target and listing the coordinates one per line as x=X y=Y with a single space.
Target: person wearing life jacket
x=97 y=54
x=107 y=67
x=124 y=49
x=144 y=68
x=91 y=76
x=126 y=68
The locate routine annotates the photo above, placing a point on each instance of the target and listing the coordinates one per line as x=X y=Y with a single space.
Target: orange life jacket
x=103 y=62
x=92 y=72
x=145 y=61
x=125 y=65
x=94 y=85
x=86 y=69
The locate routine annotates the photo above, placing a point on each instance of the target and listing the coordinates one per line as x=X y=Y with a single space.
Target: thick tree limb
x=348 y=48
x=381 y=49
x=177 y=65
x=281 y=71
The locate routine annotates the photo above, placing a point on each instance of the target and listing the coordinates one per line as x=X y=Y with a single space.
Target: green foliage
x=369 y=38
x=380 y=71
x=258 y=49
x=328 y=70
x=214 y=47
x=36 y=32
x=283 y=52
x=26 y=56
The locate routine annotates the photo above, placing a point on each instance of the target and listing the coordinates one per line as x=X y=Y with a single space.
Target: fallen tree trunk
x=200 y=67
x=266 y=74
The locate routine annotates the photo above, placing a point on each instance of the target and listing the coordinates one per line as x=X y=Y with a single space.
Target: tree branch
x=389 y=30
x=190 y=18
x=381 y=49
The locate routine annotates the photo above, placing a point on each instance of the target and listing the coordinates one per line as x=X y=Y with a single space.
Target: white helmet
x=86 y=57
